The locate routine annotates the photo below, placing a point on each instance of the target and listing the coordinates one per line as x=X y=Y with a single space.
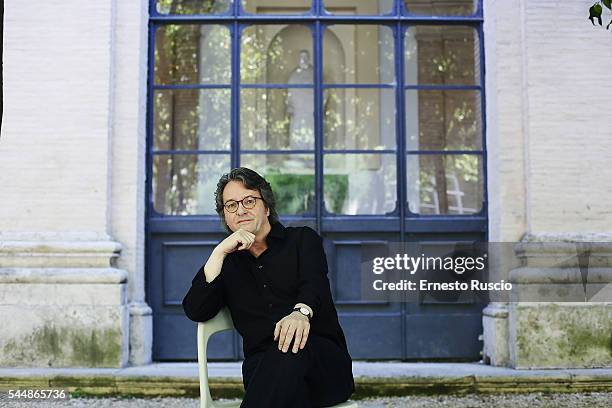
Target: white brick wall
x=548 y=86
x=65 y=135
x=569 y=65
x=55 y=132
x=72 y=151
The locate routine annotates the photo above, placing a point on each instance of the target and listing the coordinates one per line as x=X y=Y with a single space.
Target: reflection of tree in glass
x=441 y=8
x=174 y=63
x=465 y=167
x=447 y=118
x=357 y=131
x=177 y=61
x=175 y=112
x=188 y=118
x=252 y=55
x=192 y=6
x=463 y=125
x=256 y=55
x=258 y=129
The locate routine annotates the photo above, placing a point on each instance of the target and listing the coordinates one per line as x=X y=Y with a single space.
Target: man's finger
x=243 y=241
x=248 y=241
x=298 y=339
x=284 y=326
x=276 y=330
x=288 y=338
x=305 y=337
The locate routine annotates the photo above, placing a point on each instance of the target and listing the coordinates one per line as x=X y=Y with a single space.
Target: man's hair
x=251 y=180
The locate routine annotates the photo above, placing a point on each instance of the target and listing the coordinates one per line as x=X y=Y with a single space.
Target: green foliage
x=596 y=10
x=295 y=193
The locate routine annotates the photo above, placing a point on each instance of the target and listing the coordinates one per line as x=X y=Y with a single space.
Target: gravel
x=540 y=400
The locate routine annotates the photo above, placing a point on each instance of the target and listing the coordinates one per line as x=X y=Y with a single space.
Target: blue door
x=367 y=117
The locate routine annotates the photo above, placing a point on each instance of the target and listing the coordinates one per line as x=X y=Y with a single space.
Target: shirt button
x=269 y=305
x=260 y=266
x=265 y=286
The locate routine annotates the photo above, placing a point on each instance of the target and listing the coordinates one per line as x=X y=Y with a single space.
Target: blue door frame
x=201 y=232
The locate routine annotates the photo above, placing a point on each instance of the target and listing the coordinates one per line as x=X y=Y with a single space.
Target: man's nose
x=241 y=210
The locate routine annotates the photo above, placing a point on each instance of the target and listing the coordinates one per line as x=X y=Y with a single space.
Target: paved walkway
x=373 y=379
x=389 y=369
x=533 y=400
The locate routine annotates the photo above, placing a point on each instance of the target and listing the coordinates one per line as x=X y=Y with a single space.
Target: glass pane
x=291 y=176
x=192 y=6
x=444 y=184
x=191 y=119
x=185 y=184
x=359 y=183
x=358 y=54
x=192 y=54
x=442 y=55
x=276 y=6
x=359 y=118
x=276 y=119
x=367 y=7
x=441 y=7
x=443 y=120
x=276 y=54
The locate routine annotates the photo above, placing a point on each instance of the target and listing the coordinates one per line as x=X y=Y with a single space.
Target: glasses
x=248 y=202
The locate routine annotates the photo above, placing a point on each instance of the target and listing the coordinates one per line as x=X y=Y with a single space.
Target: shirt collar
x=277 y=231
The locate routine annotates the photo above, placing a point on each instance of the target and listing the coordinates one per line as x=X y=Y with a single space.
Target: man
x=274 y=281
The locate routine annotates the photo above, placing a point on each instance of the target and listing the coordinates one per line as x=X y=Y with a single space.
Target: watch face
x=304 y=311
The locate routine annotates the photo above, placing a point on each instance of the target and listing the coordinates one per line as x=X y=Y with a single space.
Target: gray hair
x=251 y=180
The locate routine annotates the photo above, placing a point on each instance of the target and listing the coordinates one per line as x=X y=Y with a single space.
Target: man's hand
x=293 y=324
x=239 y=240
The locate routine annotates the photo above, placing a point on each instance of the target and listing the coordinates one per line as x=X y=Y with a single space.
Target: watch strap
x=299 y=309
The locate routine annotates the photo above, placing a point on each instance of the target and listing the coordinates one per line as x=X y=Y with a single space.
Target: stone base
x=63 y=317
x=560 y=309
x=563 y=335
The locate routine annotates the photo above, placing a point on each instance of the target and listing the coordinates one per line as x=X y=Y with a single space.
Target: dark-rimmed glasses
x=248 y=202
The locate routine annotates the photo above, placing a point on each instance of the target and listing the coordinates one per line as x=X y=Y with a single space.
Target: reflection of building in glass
x=430 y=199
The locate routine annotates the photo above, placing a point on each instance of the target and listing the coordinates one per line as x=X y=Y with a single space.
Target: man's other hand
x=294 y=324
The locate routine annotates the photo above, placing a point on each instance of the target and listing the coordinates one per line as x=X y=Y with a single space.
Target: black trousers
x=320 y=375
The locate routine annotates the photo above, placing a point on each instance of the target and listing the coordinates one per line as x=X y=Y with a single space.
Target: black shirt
x=261 y=291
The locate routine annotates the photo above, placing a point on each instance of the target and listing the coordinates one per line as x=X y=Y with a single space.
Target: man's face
x=252 y=220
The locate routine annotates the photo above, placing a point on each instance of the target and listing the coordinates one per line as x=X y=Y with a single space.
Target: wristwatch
x=303 y=311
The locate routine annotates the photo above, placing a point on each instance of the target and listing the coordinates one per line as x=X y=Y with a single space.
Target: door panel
x=427 y=326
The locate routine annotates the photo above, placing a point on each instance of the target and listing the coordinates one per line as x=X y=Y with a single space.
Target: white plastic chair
x=222 y=321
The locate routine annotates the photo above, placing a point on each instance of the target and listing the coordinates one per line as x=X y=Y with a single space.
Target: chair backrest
x=222 y=321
